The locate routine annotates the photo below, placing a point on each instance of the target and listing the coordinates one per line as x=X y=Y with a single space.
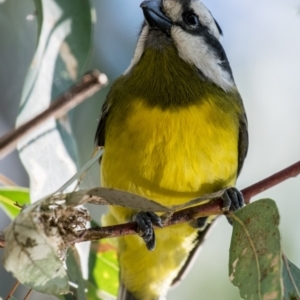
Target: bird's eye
x=191 y=19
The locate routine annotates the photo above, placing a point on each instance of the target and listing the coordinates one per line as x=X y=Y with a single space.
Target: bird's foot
x=145 y=219
x=200 y=223
x=233 y=200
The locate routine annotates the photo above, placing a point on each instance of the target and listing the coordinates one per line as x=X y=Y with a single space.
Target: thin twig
x=211 y=208
x=21 y=206
x=12 y=290
x=2 y=240
x=186 y=215
x=261 y=186
x=6 y=181
x=88 y=85
x=28 y=294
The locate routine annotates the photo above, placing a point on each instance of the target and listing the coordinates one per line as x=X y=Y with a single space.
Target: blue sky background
x=262 y=42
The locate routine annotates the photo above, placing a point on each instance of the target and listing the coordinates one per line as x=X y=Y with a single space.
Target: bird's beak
x=154 y=16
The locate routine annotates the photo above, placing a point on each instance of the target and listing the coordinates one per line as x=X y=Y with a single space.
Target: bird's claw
x=233 y=200
x=144 y=221
x=200 y=223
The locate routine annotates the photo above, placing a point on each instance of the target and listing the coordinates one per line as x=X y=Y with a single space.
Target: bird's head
x=188 y=26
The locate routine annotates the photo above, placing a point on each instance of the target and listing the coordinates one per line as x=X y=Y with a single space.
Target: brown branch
x=12 y=290
x=2 y=240
x=211 y=208
x=6 y=181
x=28 y=295
x=261 y=186
x=88 y=85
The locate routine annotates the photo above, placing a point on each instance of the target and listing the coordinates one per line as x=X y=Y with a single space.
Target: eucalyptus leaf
x=291 y=280
x=108 y=196
x=36 y=246
x=75 y=274
x=64 y=42
x=49 y=152
x=199 y=200
x=77 y=177
x=33 y=257
x=255 y=252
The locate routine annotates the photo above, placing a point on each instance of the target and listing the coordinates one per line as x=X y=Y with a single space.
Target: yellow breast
x=171 y=155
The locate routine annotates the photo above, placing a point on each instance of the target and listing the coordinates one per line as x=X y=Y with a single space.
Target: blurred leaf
x=75 y=274
x=34 y=248
x=95 y=294
x=291 y=280
x=103 y=270
x=64 y=42
x=255 y=253
x=10 y=298
x=11 y=195
x=92 y=293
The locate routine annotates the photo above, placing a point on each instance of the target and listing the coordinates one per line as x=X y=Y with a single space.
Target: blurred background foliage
x=262 y=42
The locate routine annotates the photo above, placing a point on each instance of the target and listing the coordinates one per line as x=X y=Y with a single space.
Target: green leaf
x=75 y=274
x=103 y=269
x=255 y=252
x=49 y=154
x=11 y=195
x=291 y=280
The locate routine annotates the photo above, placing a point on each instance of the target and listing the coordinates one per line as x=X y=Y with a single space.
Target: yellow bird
x=173 y=128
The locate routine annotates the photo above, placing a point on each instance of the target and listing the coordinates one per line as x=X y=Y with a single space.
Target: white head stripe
x=194 y=50
x=205 y=17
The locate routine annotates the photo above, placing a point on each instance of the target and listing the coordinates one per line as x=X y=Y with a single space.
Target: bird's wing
x=100 y=133
x=243 y=142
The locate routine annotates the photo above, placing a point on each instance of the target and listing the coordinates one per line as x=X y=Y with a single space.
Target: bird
x=173 y=128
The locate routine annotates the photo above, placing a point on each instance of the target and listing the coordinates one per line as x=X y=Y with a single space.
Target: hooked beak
x=154 y=16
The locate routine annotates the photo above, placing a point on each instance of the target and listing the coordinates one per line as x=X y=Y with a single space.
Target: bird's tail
x=125 y=295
